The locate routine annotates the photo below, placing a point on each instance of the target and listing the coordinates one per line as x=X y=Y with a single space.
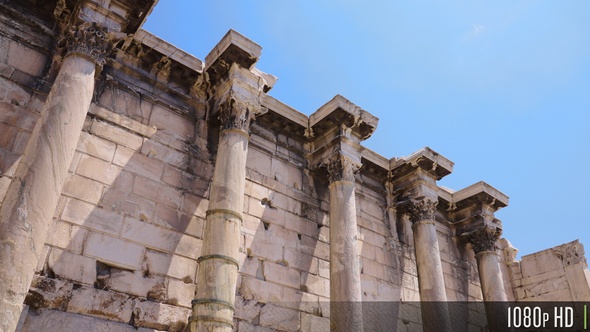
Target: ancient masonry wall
x=123 y=247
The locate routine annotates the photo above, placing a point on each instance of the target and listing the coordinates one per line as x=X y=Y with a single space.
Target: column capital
x=342 y=168
x=484 y=238
x=89 y=39
x=422 y=209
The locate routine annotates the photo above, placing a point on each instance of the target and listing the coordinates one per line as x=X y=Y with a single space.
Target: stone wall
x=124 y=244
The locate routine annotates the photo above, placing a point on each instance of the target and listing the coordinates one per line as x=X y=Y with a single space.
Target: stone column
x=32 y=198
x=345 y=280
x=213 y=306
x=435 y=313
x=483 y=239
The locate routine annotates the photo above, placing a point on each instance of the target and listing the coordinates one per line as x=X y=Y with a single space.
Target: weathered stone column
x=414 y=179
x=435 y=314
x=345 y=280
x=335 y=131
x=32 y=197
x=483 y=241
x=475 y=207
x=237 y=103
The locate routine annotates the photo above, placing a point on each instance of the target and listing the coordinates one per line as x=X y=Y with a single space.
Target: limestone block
x=183 y=268
x=124 y=181
x=247 y=310
x=260 y=291
x=115 y=252
x=164 y=153
x=16 y=116
x=286 y=173
x=299 y=260
x=4 y=183
x=137 y=163
x=314 y=284
x=315 y=323
x=540 y=262
x=280 y=318
x=82 y=188
x=278 y=235
x=150 y=236
x=67 y=236
x=96 y=146
x=301 y=225
x=258 y=161
x=7 y=136
x=323 y=268
x=167 y=217
x=578 y=279
x=266 y=250
x=71 y=266
x=127 y=204
x=52 y=320
x=372 y=268
x=282 y=275
x=116 y=134
x=48 y=293
x=247 y=327
x=171 y=123
x=189 y=246
x=8 y=162
x=180 y=293
x=157 y=192
x=160 y=316
x=134 y=282
x=91 y=216
x=98 y=170
x=26 y=59
x=102 y=304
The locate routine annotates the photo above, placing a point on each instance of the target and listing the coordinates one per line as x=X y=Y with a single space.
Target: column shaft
x=32 y=198
x=345 y=280
x=435 y=312
x=213 y=307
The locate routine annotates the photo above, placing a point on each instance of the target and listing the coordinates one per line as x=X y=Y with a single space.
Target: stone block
x=189 y=246
x=72 y=267
x=315 y=285
x=372 y=268
x=282 y=275
x=102 y=304
x=18 y=117
x=171 y=123
x=116 y=134
x=96 y=146
x=287 y=173
x=299 y=260
x=171 y=218
x=82 y=188
x=115 y=252
x=246 y=309
x=91 y=216
x=67 y=236
x=280 y=318
x=53 y=320
x=124 y=181
x=180 y=293
x=8 y=162
x=157 y=192
x=260 y=291
x=137 y=163
x=315 y=323
x=7 y=136
x=259 y=162
x=150 y=236
x=48 y=293
x=266 y=250
x=4 y=184
x=97 y=169
x=134 y=282
x=160 y=316
x=26 y=59
x=164 y=153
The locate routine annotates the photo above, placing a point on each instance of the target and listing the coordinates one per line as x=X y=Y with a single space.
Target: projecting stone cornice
x=168 y=50
x=425 y=159
x=479 y=193
x=341 y=112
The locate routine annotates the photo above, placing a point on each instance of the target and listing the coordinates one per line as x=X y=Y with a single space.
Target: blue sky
x=501 y=88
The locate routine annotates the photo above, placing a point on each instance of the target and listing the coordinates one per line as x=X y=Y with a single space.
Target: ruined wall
x=556 y=274
x=124 y=241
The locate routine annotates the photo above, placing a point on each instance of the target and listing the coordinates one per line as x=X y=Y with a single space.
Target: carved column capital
x=422 y=209
x=235 y=113
x=90 y=40
x=342 y=168
x=484 y=238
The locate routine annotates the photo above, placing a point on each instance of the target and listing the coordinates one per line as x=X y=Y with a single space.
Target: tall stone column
x=483 y=239
x=32 y=198
x=345 y=280
x=435 y=313
x=238 y=103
